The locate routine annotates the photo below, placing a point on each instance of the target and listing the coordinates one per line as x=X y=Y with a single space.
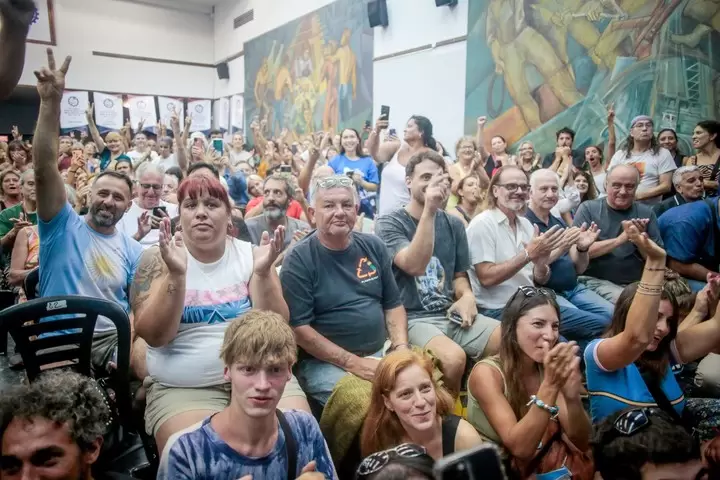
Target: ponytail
x=425 y=126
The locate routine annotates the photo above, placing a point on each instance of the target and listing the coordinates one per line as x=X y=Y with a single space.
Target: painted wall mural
x=534 y=66
x=314 y=73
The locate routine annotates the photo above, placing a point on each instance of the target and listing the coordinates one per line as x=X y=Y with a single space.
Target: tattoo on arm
x=172 y=288
x=341 y=358
x=150 y=268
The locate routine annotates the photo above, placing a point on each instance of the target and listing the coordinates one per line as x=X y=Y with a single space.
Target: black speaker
x=223 y=71
x=446 y=3
x=377 y=13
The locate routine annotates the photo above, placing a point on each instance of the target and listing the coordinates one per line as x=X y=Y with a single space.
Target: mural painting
x=312 y=74
x=534 y=66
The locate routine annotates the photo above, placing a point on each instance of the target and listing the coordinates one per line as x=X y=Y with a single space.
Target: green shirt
x=6 y=224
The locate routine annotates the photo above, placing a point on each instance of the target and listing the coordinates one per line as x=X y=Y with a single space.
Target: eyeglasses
x=643 y=125
x=514 y=187
x=530 y=291
x=148 y=186
x=335 y=181
x=379 y=460
x=632 y=421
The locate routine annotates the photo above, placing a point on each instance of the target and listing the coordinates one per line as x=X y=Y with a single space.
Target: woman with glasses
x=468 y=163
x=631 y=365
x=409 y=404
x=527 y=398
x=404 y=462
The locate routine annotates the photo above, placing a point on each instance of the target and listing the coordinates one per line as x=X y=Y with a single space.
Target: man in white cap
x=655 y=164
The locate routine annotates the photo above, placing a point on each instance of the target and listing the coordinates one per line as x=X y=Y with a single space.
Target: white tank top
x=394 y=193
x=215 y=294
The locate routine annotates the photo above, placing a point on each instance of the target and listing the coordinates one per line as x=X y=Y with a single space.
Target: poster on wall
x=314 y=73
x=72 y=110
x=236 y=113
x=108 y=112
x=201 y=114
x=42 y=28
x=167 y=106
x=142 y=109
x=534 y=76
x=222 y=106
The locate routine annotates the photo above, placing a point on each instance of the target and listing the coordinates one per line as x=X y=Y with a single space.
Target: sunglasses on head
x=632 y=421
x=335 y=181
x=379 y=460
x=530 y=291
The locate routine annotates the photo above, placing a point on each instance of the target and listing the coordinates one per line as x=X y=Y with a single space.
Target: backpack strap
x=290 y=445
x=661 y=399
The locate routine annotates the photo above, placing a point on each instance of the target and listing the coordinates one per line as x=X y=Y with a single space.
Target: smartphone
x=285 y=169
x=481 y=462
x=392 y=132
x=159 y=212
x=218 y=145
x=293 y=149
x=455 y=318
x=385 y=112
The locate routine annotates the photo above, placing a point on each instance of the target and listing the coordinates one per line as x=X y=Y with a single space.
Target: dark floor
x=8 y=377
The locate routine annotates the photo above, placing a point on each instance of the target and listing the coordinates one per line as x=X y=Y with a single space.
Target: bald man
x=15 y=19
x=614 y=260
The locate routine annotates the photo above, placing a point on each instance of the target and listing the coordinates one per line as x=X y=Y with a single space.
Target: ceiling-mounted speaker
x=377 y=13
x=446 y=3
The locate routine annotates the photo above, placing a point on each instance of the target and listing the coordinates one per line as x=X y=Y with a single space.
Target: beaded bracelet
x=553 y=411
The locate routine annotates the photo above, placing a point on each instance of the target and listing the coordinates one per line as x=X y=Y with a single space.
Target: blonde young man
x=250 y=437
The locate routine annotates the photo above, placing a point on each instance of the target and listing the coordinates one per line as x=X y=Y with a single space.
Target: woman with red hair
x=409 y=405
x=185 y=293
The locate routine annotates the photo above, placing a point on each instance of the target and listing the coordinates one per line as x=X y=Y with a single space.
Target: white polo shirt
x=491 y=239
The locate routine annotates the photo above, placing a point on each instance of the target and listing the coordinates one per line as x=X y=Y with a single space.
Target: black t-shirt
x=344 y=294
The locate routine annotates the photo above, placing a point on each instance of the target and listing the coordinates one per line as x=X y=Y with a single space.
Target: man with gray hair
x=614 y=260
x=278 y=192
x=142 y=220
x=688 y=182
x=340 y=288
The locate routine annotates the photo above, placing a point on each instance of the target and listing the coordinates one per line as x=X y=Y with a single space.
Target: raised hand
x=437 y=193
x=143 y=225
x=51 y=80
x=269 y=250
x=89 y=111
x=15 y=132
x=381 y=123
x=611 y=114
x=588 y=236
x=172 y=249
x=559 y=362
x=706 y=300
x=482 y=121
x=642 y=241
x=20 y=223
x=542 y=245
x=570 y=238
x=17 y=14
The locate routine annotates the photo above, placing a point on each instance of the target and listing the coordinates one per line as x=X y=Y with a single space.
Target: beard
x=274 y=212
x=104 y=220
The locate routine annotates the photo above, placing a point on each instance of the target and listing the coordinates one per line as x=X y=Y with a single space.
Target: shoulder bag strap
x=290 y=445
x=660 y=398
x=715 y=168
x=537 y=460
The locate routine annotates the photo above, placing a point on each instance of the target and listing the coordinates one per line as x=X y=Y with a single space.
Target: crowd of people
x=569 y=298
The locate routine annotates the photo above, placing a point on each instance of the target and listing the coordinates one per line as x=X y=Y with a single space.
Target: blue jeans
x=583 y=320
x=318 y=378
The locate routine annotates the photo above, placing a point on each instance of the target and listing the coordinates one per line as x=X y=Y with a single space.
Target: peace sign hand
x=51 y=81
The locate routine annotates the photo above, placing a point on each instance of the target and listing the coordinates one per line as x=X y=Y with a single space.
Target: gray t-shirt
x=624 y=264
x=432 y=293
x=344 y=294
x=257 y=225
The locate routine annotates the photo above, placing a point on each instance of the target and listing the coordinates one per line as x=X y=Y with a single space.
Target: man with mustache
x=277 y=194
x=688 y=182
x=80 y=255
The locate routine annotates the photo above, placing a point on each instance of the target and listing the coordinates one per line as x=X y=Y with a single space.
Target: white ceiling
x=197 y=6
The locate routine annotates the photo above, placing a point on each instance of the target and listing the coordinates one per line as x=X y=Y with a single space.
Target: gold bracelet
x=649 y=291
x=650 y=285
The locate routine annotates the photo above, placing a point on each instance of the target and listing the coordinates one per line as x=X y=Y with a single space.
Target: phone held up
x=478 y=463
x=159 y=212
x=218 y=145
x=385 y=112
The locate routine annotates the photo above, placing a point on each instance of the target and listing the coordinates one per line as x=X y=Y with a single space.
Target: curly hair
x=64 y=397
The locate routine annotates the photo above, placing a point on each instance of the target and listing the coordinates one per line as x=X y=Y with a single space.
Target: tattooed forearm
x=396 y=323
x=150 y=268
x=171 y=288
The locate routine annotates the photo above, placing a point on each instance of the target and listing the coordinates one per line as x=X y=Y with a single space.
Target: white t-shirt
x=128 y=223
x=394 y=192
x=491 y=239
x=215 y=294
x=170 y=161
x=650 y=166
x=600 y=183
x=237 y=157
x=137 y=156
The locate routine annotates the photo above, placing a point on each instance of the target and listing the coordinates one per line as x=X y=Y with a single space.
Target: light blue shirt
x=77 y=260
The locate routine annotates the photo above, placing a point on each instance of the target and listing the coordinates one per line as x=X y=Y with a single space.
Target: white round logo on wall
x=108 y=103
x=73 y=101
x=199 y=108
x=141 y=105
x=171 y=107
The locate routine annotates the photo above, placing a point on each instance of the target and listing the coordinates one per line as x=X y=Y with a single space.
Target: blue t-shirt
x=77 y=260
x=563 y=276
x=689 y=232
x=611 y=392
x=202 y=454
x=363 y=165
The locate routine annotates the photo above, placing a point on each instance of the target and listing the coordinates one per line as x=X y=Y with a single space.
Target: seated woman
x=631 y=366
x=408 y=405
x=527 y=398
x=185 y=292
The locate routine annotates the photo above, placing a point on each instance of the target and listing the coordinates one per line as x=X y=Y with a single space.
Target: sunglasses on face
x=379 y=460
x=514 y=187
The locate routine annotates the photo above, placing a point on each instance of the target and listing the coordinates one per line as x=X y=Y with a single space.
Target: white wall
x=84 y=26
x=430 y=83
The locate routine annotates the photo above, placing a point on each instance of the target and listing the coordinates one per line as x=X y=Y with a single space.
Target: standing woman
x=10 y=189
x=527 y=398
x=470 y=197
x=529 y=159
x=594 y=158
x=706 y=141
x=418 y=137
x=468 y=163
x=668 y=139
x=360 y=168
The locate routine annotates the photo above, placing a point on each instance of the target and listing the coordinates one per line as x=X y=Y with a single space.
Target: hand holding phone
x=158 y=213
x=385 y=112
x=218 y=145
